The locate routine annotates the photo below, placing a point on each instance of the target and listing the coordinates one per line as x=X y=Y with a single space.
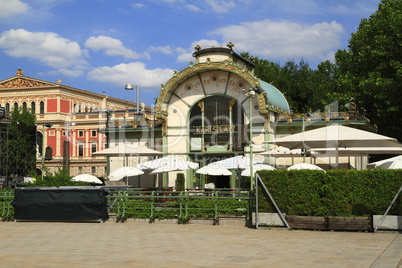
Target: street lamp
x=250 y=93
x=137 y=88
x=43 y=146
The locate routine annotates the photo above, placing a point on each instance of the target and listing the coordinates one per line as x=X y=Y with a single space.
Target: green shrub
x=180 y=181
x=60 y=178
x=334 y=193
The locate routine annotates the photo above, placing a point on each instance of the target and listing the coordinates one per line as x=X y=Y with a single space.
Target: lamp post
x=250 y=94
x=137 y=88
x=47 y=125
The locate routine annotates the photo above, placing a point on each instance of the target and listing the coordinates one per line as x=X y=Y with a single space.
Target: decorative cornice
x=23 y=82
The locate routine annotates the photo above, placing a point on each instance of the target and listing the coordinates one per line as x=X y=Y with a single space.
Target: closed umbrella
x=87 y=178
x=256 y=168
x=305 y=166
x=124 y=172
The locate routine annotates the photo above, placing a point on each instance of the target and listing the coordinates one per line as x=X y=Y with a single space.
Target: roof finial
x=19 y=72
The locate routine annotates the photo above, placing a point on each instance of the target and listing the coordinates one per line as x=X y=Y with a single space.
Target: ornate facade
x=65 y=115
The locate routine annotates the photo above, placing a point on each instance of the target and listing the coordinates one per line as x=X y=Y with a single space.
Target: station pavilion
x=208 y=112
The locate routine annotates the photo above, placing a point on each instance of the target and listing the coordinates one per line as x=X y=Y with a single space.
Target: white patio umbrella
x=390 y=163
x=335 y=136
x=166 y=164
x=357 y=151
x=214 y=170
x=256 y=168
x=283 y=152
x=304 y=166
x=236 y=162
x=124 y=172
x=87 y=178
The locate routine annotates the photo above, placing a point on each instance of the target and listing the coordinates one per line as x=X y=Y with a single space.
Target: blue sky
x=101 y=45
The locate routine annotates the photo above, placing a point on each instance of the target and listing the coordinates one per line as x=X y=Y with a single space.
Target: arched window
x=24 y=106
x=15 y=106
x=33 y=107
x=219 y=123
x=7 y=107
x=42 y=107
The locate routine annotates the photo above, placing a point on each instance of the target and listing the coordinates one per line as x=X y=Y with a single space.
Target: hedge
x=334 y=193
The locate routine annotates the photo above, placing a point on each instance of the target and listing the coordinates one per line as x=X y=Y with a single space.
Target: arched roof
x=275 y=97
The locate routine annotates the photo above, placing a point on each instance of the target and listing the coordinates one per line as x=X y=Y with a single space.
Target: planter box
x=350 y=223
x=390 y=222
x=330 y=223
x=307 y=222
x=268 y=219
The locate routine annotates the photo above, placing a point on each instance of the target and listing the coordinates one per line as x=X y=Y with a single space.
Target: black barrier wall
x=60 y=204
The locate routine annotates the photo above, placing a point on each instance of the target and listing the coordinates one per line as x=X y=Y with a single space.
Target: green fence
x=183 y=205
x=6 y=209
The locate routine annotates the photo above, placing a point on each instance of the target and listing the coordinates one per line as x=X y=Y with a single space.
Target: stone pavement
x=138 y=244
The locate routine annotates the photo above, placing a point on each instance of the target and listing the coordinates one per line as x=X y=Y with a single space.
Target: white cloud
x=186 y=54
x=161 y=49
x=71 y=72
x=137 y=5
x=193 y=8
x=283 y=39
x=221 y=6
x=46 y=47
x=12 y=7
x=134 y=72
x=355 y=8
x=111 y=47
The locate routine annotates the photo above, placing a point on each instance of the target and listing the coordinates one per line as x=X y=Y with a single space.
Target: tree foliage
x=371 y=69
x=304 y=88
x=18 y=144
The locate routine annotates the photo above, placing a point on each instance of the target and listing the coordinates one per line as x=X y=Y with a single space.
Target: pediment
x=24 y=82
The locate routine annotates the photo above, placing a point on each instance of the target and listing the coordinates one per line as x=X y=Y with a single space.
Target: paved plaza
x=138 y=244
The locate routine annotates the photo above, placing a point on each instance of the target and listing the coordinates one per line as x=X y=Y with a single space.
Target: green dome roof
x=275 y=97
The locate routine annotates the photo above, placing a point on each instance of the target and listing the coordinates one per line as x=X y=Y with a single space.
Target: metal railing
x=6 y=209
x=183 y=205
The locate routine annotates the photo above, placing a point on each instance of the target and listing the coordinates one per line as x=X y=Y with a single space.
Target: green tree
x=305 y=89
x=371 y=67
x=19 y=143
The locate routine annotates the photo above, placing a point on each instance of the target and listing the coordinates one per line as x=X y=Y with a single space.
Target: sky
x=102 y=45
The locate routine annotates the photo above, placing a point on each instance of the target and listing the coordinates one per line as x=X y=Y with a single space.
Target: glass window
x=33 y=107
x=222 y=122
x=80 y=150
x=42 y=107
x=93 y=147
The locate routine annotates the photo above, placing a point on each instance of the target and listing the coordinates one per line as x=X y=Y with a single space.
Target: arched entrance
x=217 y=132
x=217 y=125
